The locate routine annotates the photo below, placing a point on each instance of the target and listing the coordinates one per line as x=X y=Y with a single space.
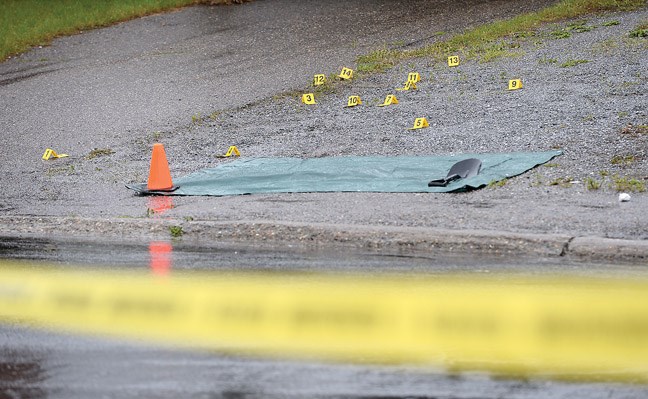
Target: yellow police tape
x=564 y=327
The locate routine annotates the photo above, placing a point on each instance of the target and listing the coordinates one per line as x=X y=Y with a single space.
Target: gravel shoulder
x=590 y=110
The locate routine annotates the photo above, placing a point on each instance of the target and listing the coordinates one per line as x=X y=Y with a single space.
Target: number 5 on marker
x=420 y=123
x=515 y=84
x=308 y=98
x=319 y=80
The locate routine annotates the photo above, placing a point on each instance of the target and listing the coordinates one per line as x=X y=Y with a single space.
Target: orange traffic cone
x=159 y=175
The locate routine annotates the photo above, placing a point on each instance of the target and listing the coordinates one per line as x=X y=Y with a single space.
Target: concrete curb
x=379 y=239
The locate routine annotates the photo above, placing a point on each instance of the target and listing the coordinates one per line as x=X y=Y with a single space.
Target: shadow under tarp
x=388 y=174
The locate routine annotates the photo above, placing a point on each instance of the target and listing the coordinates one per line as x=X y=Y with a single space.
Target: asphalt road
x=38 y=363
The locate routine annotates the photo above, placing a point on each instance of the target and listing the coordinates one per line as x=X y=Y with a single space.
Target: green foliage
x=564 y=182
x=611 y=23
x=634 y=130
x=639 y=32
x=99 y=152
x=622 y=160
x=546 y=61
x=627 y=184
x=27 y=23
x=497 y=184
x=176 y=231
x=483 y=40
x=592 y=184
x=570 y=63
x=378 y=60
x=561 y=34
x=579 y=27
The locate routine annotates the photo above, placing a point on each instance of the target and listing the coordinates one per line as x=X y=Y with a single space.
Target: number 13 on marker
x=453 y=60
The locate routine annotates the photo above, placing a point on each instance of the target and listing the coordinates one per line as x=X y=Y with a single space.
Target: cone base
x=142 y=189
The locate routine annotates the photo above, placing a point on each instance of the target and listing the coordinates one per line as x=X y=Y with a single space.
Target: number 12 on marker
x=319 y=80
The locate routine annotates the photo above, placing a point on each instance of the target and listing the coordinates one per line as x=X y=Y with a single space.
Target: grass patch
x=611 y=23
x=497 y=184
x=99 y=152
x=639 y=32
x=564 y=182
x=627 y=184
x=592 y=184
x=571 y=63
x=176 y=231
x=61 y=170
x=483 y=41
x=623 y=160
x=634 y=130
x=378 y=60
x=547 y=61
x=27 y=23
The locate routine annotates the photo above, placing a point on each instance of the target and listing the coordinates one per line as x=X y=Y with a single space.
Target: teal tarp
x=352 y=173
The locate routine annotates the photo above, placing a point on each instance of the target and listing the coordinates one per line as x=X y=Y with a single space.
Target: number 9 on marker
x=515 y=84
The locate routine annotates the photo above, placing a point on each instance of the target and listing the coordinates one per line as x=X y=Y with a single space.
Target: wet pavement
x=36 y=363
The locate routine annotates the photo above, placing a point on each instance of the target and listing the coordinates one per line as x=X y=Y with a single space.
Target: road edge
x=378 y=239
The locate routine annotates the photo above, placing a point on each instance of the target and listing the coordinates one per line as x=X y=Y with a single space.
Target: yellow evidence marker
x=233 y=151
x=420 y=123
x=409 y=85
x=50 y=153
x=308 y=98
x=346 y=74
x=515 y=84
x=319 y=79
x=453 y=61
x=353 y=101
x=389 y=100
x=413 y=77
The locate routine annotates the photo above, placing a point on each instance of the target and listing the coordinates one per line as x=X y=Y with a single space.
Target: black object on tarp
x=461 y=170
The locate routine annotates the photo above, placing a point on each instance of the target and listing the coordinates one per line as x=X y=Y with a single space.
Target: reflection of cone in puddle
x=160 y=257
x=159 y=204
x=159 y=175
